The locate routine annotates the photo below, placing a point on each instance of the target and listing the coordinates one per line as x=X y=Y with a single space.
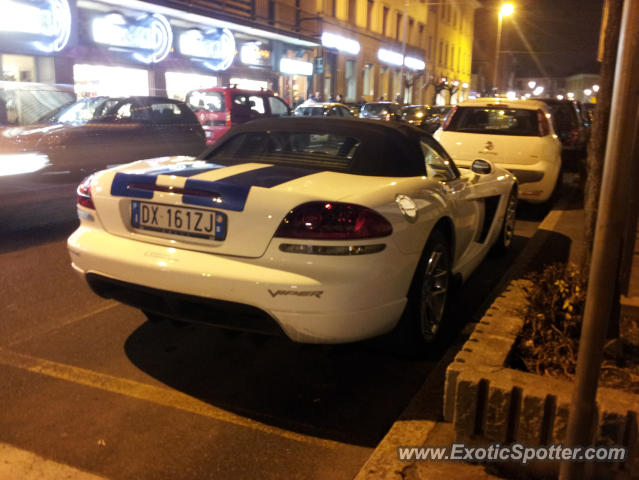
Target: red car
x=219 y=108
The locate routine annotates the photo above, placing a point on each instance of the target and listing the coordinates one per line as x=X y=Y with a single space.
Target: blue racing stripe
x=269 y=176
x=121 y=181
x=226 y=196
x=229 y=193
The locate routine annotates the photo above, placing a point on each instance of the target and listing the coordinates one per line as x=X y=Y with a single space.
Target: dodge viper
x=325 y=230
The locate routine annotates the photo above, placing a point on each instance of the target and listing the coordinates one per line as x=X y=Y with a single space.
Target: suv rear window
x=209 y=101
x=495 y=120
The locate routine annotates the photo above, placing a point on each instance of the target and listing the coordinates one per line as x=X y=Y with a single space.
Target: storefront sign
x=343 y=44
x=414 y=63
x=149 y=37
x=43 y=27
x=390 y=57
x=214 y=49
x=291 y=66
x=254 y=53
x=396 y=59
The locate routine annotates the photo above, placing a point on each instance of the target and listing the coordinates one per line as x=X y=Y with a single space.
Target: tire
x=422 y=319
x=507 y=230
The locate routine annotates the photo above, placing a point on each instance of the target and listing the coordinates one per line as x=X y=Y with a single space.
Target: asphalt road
x=87 y=382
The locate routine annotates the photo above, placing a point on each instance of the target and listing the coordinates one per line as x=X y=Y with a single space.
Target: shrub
x=549 y=340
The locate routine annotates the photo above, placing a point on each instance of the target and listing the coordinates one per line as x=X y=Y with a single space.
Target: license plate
x=192 y=222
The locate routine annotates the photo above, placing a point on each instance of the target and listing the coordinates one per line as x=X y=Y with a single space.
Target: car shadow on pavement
x=348 y=393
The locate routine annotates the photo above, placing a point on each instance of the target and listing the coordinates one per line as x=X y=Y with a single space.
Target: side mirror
x=482 y=167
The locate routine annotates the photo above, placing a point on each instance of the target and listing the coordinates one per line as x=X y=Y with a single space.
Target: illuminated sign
x=215 y=48
x=46 y=26
x=395 y=58
x=414 y=63
x=150 y=36
x=252 y=53
x=388 y=56
x=295 y=67
x=343 y=44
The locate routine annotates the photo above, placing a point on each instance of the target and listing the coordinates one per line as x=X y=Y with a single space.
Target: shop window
x=178 y=84
x=351 y=81
x=367 y=80
x=17 y=68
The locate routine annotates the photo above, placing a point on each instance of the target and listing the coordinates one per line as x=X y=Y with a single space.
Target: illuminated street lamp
x=506 y=10
x=595 y=88
x=532 y=84
x=587 y=92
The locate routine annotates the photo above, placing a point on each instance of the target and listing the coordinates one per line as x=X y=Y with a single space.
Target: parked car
x=354 y=108
x=424 y=116
x=323 y=109
x=326 y=231
x=515 y=134
x=219 y=108
x=23 y=103
x=93 y=133
x=381 y=111
x=569 y=125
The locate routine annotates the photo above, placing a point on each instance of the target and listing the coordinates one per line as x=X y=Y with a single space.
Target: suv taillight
x=228 y=119
x=542 y=120
x=333 y=221
x=84 y=194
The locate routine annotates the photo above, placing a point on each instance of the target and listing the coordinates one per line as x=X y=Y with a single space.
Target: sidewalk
x=558 y=238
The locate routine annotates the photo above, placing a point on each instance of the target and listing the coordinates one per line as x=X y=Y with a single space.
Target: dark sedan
x=381 y=111
x=94 y=133
x=424 y=116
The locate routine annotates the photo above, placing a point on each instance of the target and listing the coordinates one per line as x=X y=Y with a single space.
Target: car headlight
x=17 y=163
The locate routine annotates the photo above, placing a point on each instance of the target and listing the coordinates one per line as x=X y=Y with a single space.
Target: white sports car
x=326 y=230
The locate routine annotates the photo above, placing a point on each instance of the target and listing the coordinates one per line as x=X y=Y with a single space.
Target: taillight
x=228 y=119
x=542 y=121
x=449 y=118
x=333 y=221
x=84 y=194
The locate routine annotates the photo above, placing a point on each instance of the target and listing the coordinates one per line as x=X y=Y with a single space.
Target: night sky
x=563 y=33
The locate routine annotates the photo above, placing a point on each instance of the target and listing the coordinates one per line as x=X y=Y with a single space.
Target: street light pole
x=505 y=10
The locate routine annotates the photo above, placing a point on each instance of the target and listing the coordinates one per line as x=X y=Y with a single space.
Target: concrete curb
x=485 y=399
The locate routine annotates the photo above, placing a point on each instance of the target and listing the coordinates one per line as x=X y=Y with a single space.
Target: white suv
x=514 y=134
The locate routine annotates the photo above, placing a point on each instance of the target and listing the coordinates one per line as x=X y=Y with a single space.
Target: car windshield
x=79 y=112
x=327 y=151
x=495 y=120
x=309 y=111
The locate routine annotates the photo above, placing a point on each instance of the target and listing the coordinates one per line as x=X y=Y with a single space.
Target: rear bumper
x=337 y=300
x=213 y=134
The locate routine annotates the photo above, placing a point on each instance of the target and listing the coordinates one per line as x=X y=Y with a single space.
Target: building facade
x=404 y=50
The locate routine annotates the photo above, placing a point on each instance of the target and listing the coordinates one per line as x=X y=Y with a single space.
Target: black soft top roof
x=386 y=149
